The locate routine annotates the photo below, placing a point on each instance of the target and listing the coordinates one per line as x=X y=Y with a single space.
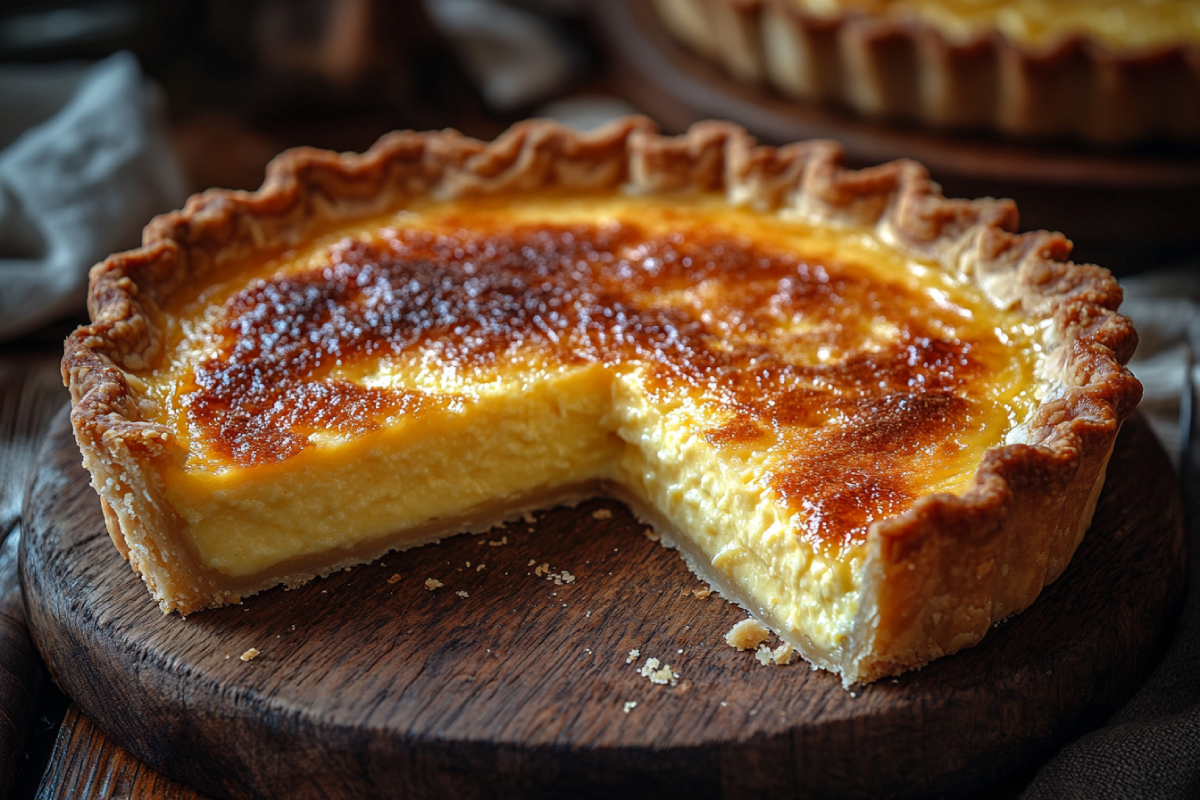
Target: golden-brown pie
x=874 y=417
x=1111 y=72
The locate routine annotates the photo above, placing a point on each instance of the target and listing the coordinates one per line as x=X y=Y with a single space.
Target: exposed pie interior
x=775 y=390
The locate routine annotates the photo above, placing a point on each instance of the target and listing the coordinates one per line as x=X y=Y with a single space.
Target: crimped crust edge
x=939 y=576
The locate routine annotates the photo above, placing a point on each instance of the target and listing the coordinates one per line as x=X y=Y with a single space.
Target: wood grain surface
x=87 y=764
x=20 y=669
x=31 y=391
x=1101 y=199
x=372 y=685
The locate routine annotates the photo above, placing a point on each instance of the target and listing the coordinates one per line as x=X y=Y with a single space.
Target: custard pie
x=876 y=418
x=1108 y=71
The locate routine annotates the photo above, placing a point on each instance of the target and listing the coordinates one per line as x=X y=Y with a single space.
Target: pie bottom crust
x=936 y=578
x=484 y=518
x=881 y=68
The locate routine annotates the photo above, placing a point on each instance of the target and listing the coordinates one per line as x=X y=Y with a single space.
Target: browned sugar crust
x=859 y=428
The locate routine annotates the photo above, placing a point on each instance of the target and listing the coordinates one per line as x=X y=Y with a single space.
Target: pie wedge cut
x=876 y=418
x=1110 y=72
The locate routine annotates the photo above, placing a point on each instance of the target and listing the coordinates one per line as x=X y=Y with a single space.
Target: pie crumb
x=529 y=518
x=249 y=655
x=651 y=534
x=480 y=567
x=633 y=656
x=783 y=654
x=461 y=593
x=561 y=578
x=661 y=675
x=747 y=634
x=433 y=583
x=602 y=513
x=394 y=578
x=532 y=561
x=764 y=655
x=503 y=541
x=630 y=705
x=700 y=594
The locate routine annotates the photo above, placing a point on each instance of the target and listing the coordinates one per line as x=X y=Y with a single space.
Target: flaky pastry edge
x=937 y=577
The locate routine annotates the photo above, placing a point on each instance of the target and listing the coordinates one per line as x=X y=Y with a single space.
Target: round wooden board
x=369 y=686
x=1115 y=204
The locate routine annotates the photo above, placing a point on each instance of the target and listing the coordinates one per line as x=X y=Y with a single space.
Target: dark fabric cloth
x=1151 y=746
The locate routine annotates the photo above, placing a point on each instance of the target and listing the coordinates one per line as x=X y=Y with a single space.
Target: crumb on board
x=461 y=593
x=747 y=634
x=651 y=534
x=602 y=513
x=529 y=518
x=503 y=541
x=783 y=654
x=702 y=593
x=541 y=569
x=764 y=655
x=433 y=583
x=661 y=674
x=532 y=562
x=394 y=578
x=560 y=578
x=479 y=567
x=633 y=656
x=630 y=705
x=249 y=655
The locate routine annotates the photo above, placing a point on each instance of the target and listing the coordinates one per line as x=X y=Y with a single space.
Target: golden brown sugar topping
x=853 y=386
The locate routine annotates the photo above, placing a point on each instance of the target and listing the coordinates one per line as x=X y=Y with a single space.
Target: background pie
x=1108 y=72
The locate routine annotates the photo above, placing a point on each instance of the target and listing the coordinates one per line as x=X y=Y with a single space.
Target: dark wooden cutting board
x=370 y=686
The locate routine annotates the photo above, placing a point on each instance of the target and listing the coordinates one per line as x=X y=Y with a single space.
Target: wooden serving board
x=1118 y=205
x=371 y=686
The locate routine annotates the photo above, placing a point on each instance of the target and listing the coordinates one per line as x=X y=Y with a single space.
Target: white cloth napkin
x=513 y=55
x=85 y=164
x=1165 y=309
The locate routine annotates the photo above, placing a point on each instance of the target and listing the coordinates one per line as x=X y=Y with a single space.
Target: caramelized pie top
x=860 y=379
x=759 y=350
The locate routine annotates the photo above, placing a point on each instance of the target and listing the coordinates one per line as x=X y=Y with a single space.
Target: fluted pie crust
x=881 y=65
x=932 y=579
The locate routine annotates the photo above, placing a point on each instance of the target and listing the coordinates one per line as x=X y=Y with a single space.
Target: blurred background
x=115 y=110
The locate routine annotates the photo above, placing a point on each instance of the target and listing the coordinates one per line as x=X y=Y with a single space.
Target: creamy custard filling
x=1122 y=24
x=768 y=388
